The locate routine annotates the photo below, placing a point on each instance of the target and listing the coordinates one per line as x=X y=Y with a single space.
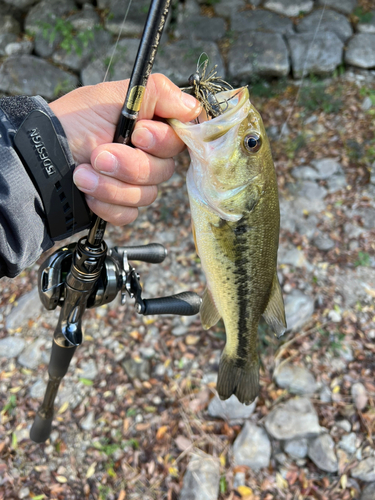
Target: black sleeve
x=23 y=224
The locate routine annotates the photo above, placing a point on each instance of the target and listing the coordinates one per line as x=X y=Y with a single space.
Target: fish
x=233 y=196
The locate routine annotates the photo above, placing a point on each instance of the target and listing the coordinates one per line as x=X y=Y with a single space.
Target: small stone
x=366 y=104
x=24 y=493
x=322 y=452
x=88 y=422
x=239 y=479
x=89 y=370
x=326 y=167
x=296 y=379
x=296 y=418
x=138 y=369
x=344 y=424
x=38 y=389
x=368 y=493
x=359 y=395
x=365 y=470
x=252 y=447
x=323 y=242
x=360 y=51
x=291 y=8
x=11 y=347
x=296 y=448
x=348 y=443
x=335 y=316
x=230 y=409
x=293 y=256
x=201 y=479
x=299 y=308
x=325 y=395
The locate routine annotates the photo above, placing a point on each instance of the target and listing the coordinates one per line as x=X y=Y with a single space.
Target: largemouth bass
x=235 y=214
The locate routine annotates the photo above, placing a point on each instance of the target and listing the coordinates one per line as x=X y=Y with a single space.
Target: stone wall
x=50 y=46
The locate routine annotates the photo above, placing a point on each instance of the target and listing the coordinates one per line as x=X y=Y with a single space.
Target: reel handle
x=181 y=304
x=153 y=253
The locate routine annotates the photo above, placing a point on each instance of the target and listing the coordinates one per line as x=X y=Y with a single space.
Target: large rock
x=47 y=12
x=368 y=493
x=83 y=54
x=294 y=419
x=359 y=395
x=135 y=19
x=201 y=480
x=296 y=379
x=356 y=285
x=322 y=452
x=344 y=6
x=290 y=8
x=30 y=75
x=20 y=4
x=8 y=24
x=261 y=20
x=296 y=448
x=365 y=470
x=255 y=54
x=252 y=447
x=299 y=308
x=231 y=409
x=31 y=357
x=116 y=64
x=11 y=347
x=360 y=51
x=319 y=54
x=178 y=60
x=327 y=20
x=225 y=8
x=367 y=26
x=198 y=27
x=28 y=307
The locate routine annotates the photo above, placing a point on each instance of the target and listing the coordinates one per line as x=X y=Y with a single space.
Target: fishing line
x=117 y=41
x=303 y=73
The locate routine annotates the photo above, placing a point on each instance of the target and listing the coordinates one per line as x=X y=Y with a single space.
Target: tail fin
x=243 y=382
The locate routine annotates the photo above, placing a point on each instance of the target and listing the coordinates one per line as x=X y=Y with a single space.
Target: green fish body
x=235 y=214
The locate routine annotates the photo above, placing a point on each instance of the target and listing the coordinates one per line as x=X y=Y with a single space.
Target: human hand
x=117 y=179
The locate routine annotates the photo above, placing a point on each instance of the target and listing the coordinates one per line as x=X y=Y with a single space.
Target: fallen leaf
x=161 y=432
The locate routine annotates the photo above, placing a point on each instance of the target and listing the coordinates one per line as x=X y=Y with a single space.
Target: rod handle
x=182 y=304
x=154 y=253
x=41 y=429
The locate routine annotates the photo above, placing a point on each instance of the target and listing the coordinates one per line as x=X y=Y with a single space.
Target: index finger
x=164 y=99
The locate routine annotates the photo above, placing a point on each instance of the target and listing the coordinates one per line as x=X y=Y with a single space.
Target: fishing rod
x=87 y=274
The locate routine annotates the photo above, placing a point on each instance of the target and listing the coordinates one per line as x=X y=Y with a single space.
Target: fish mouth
x=235 y=106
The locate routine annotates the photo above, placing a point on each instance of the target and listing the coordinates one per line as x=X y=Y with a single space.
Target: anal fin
x=275 y=312
x=209 y=313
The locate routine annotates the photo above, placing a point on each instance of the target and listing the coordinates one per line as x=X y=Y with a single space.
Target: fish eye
x=252 y=142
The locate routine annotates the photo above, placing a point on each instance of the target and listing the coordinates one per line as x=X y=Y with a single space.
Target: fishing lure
x=204 y=88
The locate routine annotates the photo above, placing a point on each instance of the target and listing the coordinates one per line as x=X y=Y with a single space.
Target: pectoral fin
x=275 y=313
x=209 y=314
